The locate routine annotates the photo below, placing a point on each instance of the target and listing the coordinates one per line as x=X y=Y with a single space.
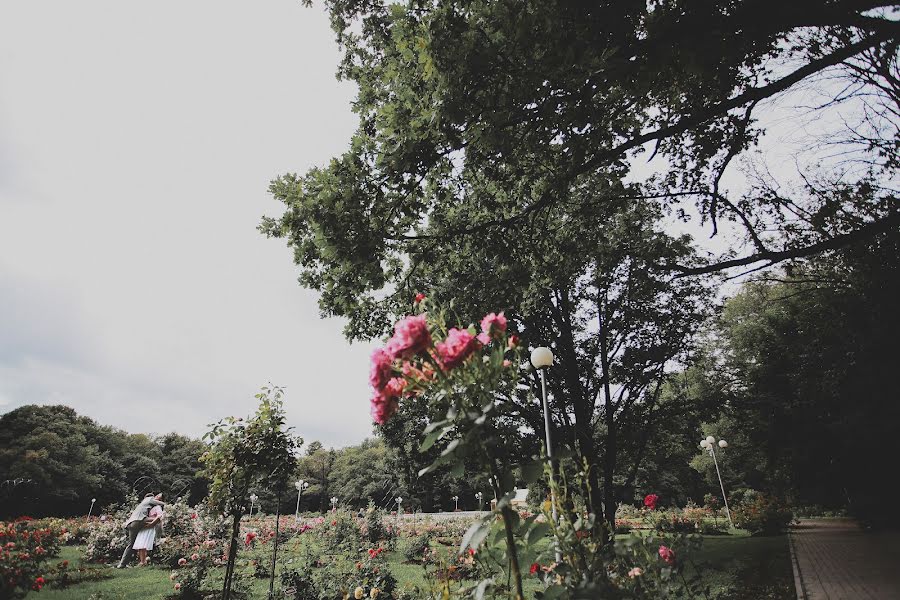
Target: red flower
x=513 y=341
x=667 y=555
x=650 y=501
x=249 y=539
x=419 y=297
x=535 y=567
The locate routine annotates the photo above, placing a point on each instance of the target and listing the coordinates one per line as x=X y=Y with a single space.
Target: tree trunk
x=582 y=407
x=232 y=555
x=275 y=547
x=609 y=413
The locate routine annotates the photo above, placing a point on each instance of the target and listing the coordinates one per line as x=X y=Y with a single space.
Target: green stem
x=506 y=513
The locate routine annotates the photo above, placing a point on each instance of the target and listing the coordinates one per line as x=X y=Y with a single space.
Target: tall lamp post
x=709 y=444
x=456 y=502
x=300 y=485
x=399 y=501
x=91 y=509
x=479 y=496
x=253 y=499
x=541 y=359
x=334 y=503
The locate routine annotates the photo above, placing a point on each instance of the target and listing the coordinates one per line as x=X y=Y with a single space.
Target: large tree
x=535 y=96
x=489 y=166
x=809 y=358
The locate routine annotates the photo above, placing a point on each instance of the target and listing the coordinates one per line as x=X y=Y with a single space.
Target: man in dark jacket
x=136 y=522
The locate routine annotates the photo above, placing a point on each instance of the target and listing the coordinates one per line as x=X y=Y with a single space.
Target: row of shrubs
x=29 y=555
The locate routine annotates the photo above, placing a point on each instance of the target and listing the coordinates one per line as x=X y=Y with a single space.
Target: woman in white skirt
x=146 y=537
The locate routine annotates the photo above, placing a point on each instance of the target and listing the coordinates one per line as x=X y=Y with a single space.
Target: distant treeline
x=54 y=461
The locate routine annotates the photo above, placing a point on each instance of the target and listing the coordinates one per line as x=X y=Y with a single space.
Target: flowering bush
x=465 y=378
x=762 y=514
x=185 y=528
x=25 y=547
x=324 y=567
x=374 y=525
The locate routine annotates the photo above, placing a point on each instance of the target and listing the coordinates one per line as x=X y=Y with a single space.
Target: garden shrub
x=762 y=514
x=415 y=547
x=25 y=548
x=374 y=525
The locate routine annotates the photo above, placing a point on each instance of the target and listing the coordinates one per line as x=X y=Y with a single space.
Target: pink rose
x=667 y=554
x=513 y=341
x=419 y=297
x=493 y=324
x=177 y=586
x=195 y=556
x=383 y=406
x=635 y=572
x=458 y=346
x=381 y=368
x=411 y=336
x=182 y=562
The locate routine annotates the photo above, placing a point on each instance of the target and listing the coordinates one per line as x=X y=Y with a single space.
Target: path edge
x=795 y=565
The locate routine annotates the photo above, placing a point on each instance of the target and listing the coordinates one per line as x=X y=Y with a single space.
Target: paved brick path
x=835 y=560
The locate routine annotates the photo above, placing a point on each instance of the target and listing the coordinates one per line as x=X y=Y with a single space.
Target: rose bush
x=25 y=548
x=464 y=378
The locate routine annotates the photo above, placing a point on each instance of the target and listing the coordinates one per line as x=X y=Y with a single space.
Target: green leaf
x=475 y=535
x=429 y=440
x=537 y=533
x=450 y=447
x=434 y=425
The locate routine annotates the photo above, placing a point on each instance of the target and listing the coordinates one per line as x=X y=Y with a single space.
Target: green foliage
x=26 y=546
x=244 y=454
x=416 y=548
x=375 y=529
x=807 y=362
x=761 y=513
x=63 y=460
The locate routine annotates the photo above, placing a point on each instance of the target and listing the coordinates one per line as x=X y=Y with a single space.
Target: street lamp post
x=253 y=499
x=541 y=359
x=479 y=496
x=709 y=444
x=334 y=503
x=91 y=509
x=456 y=502
x=300 y=485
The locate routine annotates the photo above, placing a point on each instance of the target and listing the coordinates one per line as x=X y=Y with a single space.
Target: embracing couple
x=144 y=527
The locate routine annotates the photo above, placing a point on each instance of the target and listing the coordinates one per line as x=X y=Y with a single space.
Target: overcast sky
x=137 y=141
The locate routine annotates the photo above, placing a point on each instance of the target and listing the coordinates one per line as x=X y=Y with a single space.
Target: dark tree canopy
x=504 y=108
x=64 y=460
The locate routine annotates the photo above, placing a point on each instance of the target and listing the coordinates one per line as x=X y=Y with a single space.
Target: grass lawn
x=737 y=567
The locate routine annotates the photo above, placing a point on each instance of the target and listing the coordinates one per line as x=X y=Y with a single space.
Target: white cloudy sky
x=137 y=141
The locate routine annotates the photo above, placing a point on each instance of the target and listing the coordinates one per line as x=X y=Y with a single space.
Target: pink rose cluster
x=667 y=555
x=412 y=338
